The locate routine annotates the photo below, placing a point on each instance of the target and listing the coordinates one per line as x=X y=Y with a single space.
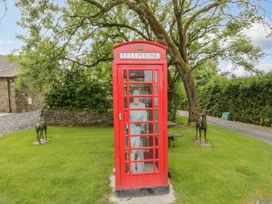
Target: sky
x=9 y=29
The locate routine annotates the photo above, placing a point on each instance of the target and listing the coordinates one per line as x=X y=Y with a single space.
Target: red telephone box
x=139 y=75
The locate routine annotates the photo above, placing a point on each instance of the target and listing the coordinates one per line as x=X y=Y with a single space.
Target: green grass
x=75 y=165
x=236 y=169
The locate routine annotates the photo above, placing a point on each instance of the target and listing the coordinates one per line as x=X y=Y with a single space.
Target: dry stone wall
x=66 y=117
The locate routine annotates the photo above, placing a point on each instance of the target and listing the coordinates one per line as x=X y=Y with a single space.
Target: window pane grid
x=149 y=147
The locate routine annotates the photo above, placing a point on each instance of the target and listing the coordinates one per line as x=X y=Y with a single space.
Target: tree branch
x=199 y=12
x=118 y=25
x=89 y=65
x=5 y=9
x=104 y=9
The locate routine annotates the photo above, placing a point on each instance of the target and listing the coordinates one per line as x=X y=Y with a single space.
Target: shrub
x=249 y=99
x=76 y=91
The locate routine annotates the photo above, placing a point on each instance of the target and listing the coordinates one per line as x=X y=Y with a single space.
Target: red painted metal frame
x=140 y=180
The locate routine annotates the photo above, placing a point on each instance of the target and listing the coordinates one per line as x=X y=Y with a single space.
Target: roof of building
x=7 y=68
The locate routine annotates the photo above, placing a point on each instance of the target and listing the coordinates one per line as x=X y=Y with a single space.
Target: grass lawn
x=75 y=165
x=236 y=169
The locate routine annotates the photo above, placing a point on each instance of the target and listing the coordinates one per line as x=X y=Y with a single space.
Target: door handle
x=120 y=116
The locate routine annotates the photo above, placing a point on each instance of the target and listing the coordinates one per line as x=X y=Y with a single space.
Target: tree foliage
x=75 y=90
x=196 y=32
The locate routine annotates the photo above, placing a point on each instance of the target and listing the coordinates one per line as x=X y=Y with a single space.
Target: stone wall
x=64 y=117
x=5 y=107
x=4 y=104
x=22 y=102
x=13 y=97
x=18 y=98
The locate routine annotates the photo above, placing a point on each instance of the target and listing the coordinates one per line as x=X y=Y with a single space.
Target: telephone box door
x=141 y=135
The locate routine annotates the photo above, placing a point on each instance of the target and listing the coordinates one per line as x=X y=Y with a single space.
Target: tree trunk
x=191 y=92
x=181 y=62
x=171 y=98
x=171 y=104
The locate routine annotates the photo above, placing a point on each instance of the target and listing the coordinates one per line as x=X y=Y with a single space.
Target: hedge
x=249 y=99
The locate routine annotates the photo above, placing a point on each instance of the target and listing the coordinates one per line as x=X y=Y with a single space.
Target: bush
x=76 y=91
x=249 y=99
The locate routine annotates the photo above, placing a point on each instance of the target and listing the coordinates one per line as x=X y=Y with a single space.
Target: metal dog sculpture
x=201 y=124
x=41 y=128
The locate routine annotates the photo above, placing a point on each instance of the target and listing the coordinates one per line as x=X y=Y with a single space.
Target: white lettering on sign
x=140 y=55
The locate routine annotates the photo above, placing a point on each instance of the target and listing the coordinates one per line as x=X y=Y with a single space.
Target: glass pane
x=126 y=167
x=156 y=128
x=136 y=142
x=156 y=115
x=142 y=102
x=149 y=129
x=126 y=142
x=156 y=102
x=156 y=76
x=140 y=75
x=125 y=89
x=125 y=102
x=157 y=166
x=125 y=75
x=156 y=89
x=136 y=167
x=148 y=167
x=148 y=141
x=140 y=89
x=143 y=141
x=157 y=141
x=145 y=154
x=139 y=128
x=141 y=167
x=157 y=153
x=126 y=155
x=148 y=154
x=140 y=116
x=126 y=129
x=148 y=75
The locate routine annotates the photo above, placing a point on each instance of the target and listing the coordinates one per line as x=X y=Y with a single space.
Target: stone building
x=11 y=99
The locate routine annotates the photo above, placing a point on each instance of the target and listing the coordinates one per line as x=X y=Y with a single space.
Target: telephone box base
x=137 y=192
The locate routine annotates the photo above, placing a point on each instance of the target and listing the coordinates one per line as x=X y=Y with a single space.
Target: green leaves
x=74 y=90
x=249 y=99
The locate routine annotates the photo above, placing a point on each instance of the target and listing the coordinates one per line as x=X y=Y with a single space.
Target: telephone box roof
x=139 y=41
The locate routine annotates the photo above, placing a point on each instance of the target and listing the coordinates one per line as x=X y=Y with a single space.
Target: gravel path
x=259 y=132
x=18 y=121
